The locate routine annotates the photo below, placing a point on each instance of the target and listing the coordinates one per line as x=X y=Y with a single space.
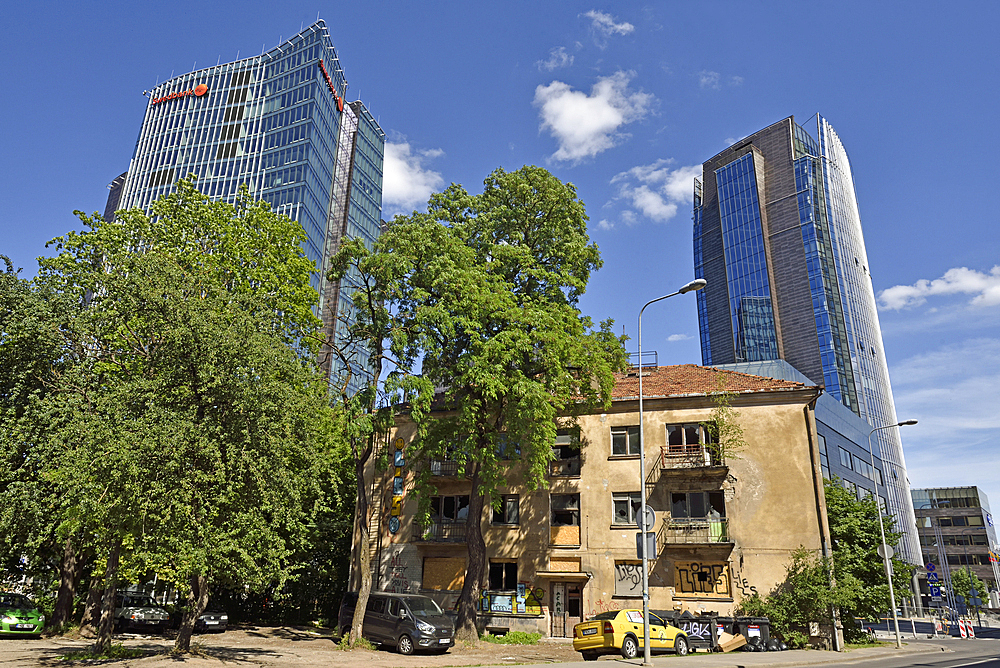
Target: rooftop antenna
x=262 y=45
x=218 y=60
x=237 y=54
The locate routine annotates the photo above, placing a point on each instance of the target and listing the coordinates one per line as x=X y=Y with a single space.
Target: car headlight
x=425 y=627
x=41 y=619
x=224 y=618
x=7 y=619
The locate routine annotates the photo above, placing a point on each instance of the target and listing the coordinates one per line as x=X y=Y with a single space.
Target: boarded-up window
x=702 y=579
x=628 y=578
x=444 y=573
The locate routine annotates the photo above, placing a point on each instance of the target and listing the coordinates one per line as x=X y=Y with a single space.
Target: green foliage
x=188 y=423
x=513 y=638
x=853 y=581
x=725 y=435
x=344 y=644
x=963 y=584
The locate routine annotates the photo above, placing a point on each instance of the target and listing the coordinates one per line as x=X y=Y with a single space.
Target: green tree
x=725 y=435
x=963 y=582
x=490 y=290
x=196 y=434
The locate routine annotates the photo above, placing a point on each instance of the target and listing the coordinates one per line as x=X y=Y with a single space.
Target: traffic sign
x=930 y=567
x=933 y=577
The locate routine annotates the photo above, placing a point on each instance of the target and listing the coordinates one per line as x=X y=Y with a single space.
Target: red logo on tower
x=199 y=90
x=329 y=84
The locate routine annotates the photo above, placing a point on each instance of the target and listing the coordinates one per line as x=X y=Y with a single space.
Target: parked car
x=19 y=616
x=620 y=631
x=405 y=621
x=212 y=621
x=139 y=612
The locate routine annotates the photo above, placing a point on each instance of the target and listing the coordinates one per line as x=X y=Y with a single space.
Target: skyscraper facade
x=777 y=235
x=280 y=124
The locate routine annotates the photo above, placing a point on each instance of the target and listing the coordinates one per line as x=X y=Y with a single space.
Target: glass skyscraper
x=279 y=123
x=777 y=235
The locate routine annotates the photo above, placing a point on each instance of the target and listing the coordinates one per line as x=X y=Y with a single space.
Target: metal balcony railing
x=695 y=530
x=689 y=457
x=443 y=467
x=442 y=532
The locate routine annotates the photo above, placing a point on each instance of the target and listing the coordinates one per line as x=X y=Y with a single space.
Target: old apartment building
x=725 y=528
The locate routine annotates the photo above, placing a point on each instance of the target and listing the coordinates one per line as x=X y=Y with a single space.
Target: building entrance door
x=558 y=610
x=574 y=607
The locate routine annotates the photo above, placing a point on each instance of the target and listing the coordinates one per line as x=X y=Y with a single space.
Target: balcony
x=695 y=531
x=441 y=532
x=443 y=468
x=692 y=461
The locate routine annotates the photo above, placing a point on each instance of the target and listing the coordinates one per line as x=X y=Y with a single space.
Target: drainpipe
x=820 y=499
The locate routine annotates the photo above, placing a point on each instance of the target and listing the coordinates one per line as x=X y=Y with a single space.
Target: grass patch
x=861 y=644
x=113 y=653
x=362 y=643
x=513 y=638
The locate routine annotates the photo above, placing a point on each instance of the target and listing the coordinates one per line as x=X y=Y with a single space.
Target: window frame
x=633 y=501
x=502 y=518
x=627 y=431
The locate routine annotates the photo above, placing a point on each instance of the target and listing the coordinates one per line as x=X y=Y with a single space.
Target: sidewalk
x=785 y=659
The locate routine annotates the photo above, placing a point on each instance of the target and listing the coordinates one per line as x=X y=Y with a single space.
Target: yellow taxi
x=621 y=631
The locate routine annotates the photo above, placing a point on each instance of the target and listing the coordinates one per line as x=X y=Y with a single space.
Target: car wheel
x=405 y=645
x=590 y=656
x=630 y=648
x=681 y=646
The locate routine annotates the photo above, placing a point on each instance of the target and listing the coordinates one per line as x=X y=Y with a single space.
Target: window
x=507 y=447
x=682 y=438
x=845 y=458
x=624 y=440
x=565 y=510
x=447 y=509
x=883 y=505
x=376 y=604
x=443 y=573
x=566 y=453
x=627 y=506
x=697 y=504
x=394 y=607
x=509 y=511
x=824 y=462
x=503 y=575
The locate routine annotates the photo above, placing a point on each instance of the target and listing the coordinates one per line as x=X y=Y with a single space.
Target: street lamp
x=881 y=528
x=968 y=573
x=696 y=284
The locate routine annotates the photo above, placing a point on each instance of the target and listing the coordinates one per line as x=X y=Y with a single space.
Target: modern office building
x=777 y=235
x=280 y=123
x=956 y=533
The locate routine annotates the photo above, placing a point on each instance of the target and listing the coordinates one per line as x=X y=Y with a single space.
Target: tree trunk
x=362 y=557
x=475 y=570
x=62 y=614
x=197 y=601
x=108 y=604
x=92 y=608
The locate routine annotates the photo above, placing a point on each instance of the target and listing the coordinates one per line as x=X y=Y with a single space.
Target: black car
x=212 y=622
x=406 y=622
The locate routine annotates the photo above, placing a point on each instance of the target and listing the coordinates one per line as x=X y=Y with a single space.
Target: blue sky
x=621 y=99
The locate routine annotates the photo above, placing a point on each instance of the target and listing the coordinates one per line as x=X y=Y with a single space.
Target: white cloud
x=657 y=191
x=406 y=183
x=586 y=125
x=953 y=392
x=679 y=337
x=604 y=27
x=557 y=58
x=605 y=225
x=960 y=280
x=707 y=79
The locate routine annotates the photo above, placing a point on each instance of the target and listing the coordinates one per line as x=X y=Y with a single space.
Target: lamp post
x=696 y=284
x=881 y=528
x=968 y=573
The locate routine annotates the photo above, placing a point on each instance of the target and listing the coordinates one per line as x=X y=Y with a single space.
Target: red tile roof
x=687 y=379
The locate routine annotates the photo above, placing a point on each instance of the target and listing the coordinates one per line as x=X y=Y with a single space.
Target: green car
x=19 y=616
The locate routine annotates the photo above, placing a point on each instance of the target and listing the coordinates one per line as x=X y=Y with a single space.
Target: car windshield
x=140 y=602
x=423 y=607
x=14 y=601
x=609 y=615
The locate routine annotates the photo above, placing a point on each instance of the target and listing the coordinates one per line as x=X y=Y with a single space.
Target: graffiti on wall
x=701 y=578
x=601 y=605
x=401 y=571
x=628 y=579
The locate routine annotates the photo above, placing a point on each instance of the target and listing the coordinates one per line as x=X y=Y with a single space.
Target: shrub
x=513 y=638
